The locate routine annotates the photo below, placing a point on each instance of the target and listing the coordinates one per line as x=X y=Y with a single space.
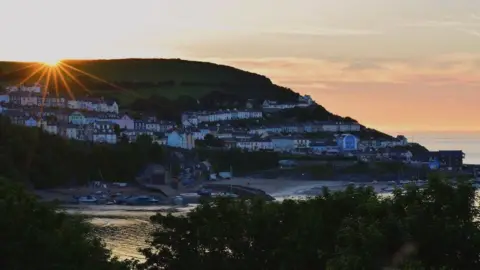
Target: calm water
x=125 y=229
x=469 y=142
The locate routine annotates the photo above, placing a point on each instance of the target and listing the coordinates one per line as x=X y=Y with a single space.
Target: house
x=4 y=98
x=159 y=139
x=289 y=143
x=91 y=117
x=162 y=126
x=124 y=122
x=180 y=140
x=306 y=99
x=70 y=131
x=401 y=140
x=77 y=118
x=139 y=125
x=104 y=132
x=30 y=122
x=74 y=104
x=48 y=126
x=111 y=106
x=132 y=135
x=52 y=101
x=16 y=117
x=255 y=144
x=448 y=159
x=24 y=98
x=196 y=118
x=324 y=147
x=347 y=142
x=400 y=154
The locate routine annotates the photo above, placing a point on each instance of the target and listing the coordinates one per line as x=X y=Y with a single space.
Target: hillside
x=164 y=87
x=129 y=79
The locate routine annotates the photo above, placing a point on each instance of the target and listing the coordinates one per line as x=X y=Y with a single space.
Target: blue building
x=347 y=142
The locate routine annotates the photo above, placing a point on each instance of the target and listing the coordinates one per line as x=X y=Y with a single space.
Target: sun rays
x=57 y=77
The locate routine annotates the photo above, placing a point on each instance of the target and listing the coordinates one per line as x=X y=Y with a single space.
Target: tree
x=36 y=236
x=426 y=228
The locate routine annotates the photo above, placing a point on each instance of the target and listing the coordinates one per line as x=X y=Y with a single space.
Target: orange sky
x=394 y=65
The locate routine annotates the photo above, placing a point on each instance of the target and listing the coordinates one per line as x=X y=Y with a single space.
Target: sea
x=125 y=230
x=469 y=142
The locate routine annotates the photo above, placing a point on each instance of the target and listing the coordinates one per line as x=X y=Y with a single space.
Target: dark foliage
x=44 y=160
x=36 y=236
x=433 y=228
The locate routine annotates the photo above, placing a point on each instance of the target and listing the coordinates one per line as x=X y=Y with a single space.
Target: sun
x=51 y=62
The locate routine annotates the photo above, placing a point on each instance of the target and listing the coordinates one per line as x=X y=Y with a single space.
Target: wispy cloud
x=330 y=32
x=472 y=32
x=470 y=27
x=362 y=65
x=435 y=23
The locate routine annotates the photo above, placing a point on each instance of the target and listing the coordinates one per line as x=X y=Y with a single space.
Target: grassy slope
x=144 y=77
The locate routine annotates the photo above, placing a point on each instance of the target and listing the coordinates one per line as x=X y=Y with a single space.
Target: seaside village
x=102 y=121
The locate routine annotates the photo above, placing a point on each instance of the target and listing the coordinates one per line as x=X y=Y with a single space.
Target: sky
x=400 y=65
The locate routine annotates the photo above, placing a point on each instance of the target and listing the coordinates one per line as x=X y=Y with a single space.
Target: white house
x=104 y=132
x=74 y=104
x=255 y=144
x=50 y=127
x=71 y=131
x=195 y=118
x=180 y=140
x=124 y=122
x=289 y=143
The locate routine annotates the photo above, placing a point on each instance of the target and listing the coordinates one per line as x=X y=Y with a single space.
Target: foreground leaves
x=35 y=236
x=433 y=228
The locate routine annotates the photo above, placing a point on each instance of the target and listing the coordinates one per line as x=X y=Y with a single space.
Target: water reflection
x=125 y=229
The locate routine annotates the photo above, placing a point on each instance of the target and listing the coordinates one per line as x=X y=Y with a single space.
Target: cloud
x=468 y=26
x=472 y=32
x=435 y=23
x=329 y=32
x=362 y=65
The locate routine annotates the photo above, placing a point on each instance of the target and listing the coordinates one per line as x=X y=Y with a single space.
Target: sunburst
x=51 y=62
x=55 y=73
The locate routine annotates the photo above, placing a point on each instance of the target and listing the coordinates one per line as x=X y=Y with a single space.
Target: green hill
x=164 y=87
x=129 y=79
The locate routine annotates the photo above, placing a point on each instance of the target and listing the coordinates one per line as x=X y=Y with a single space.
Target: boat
x=87 y=199
x=204 y=192
x=142 y=200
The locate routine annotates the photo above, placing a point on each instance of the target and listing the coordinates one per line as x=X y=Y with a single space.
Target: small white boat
x=87 y=199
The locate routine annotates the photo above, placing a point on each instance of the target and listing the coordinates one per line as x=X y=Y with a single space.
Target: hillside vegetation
x=129 y=79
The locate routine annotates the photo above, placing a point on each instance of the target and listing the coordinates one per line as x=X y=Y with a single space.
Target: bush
x=426 y=228
x=36 y=236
